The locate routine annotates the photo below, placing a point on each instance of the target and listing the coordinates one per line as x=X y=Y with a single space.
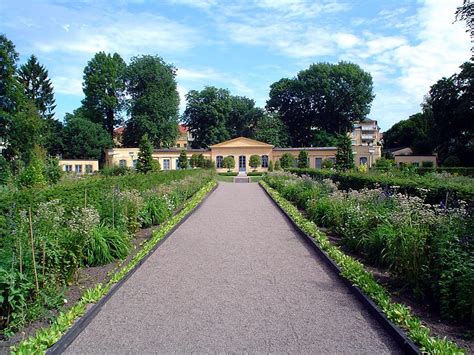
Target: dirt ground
x=86 y=278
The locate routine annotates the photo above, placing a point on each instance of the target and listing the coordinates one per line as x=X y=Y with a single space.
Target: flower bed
x=428 y=248
x=354 y=271
x=47 y=234
x=47 y=337
x=434 y=188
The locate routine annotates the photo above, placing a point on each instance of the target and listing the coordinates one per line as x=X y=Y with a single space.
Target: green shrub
x=270 y=166
x=327 y=164
x=183 y=160
x=228 y=163
x=277 y=165
x=52 y=170
x=303 y=160
x=452 y=161
x=115 y=170
x=255 y=161
x=287 y=160
x=106 y=244
x=427 y=164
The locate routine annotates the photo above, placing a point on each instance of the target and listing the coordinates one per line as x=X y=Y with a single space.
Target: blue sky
x=246 y=45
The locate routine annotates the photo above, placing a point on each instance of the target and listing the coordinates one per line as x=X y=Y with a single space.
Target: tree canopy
x=83 y=138
x=270 y=129
x=38 y=87
x=206 y=115
x=154 y=101
x=446 y=124
x=325 y=96
x=104 y=90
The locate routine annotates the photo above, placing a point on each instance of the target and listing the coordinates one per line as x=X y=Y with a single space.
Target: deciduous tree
x=206 y=115
x=326 y=96
x=270 y=129
x=104 y=90
x=154 y=102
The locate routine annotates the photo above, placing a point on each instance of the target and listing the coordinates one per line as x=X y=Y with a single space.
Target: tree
x=322 y=138
x=20 y=125
x=327 y=164
x=451 y=125
x=325 y=96
x=243 y=117
x=53 y=137
x=255 y=161
x=145 y=155
x=466 y=13
x=228 y=163
x=206 y=115
x=287 y=160
x=154 y=101
x=24 y=132
x=183 y=160
x=104 y=90
x=344 y=155
x=271 y=129
x=38 y=87
x=303 y=159
x=83 y=138
x=34 y=173
x=412 y=133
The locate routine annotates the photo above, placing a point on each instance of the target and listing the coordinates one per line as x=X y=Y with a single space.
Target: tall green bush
x=255 y=161
x=303 y=159
x=183 y=160
x=145 y=155
x=287 y=160
x=344 y=155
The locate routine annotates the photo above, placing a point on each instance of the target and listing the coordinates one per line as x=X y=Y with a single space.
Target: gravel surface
x=235 y=277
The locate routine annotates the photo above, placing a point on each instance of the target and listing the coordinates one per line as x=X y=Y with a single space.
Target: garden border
x=396 y=333
x=80 y=324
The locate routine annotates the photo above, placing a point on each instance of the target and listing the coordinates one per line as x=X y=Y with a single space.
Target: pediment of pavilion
x=242 y=142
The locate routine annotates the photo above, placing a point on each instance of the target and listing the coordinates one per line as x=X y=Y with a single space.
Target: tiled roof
x=182 y=129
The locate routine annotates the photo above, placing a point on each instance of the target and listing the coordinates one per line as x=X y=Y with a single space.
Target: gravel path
x=235 y=277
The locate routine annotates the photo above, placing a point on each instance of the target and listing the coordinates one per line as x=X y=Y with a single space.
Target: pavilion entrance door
x=242 y=163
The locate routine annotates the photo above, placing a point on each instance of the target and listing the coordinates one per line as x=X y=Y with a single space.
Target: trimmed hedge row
x=433 y=190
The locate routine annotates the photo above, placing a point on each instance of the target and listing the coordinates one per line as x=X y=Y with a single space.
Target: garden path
x=234 y=277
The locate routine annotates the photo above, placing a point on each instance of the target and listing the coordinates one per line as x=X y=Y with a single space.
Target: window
x=134 y=163
x=333 y=160
x=177 y=164
x=122 y=163
x=178 y=145
x=219 y=160
x=78 y=168
x=363 y=161
x=264 y=161
x=319 y=163
x=185 y=145
x=68 y=168
x=166 y=164
x=88 y=168
x=415 y=163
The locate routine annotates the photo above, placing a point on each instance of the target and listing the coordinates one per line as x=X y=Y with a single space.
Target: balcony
x=368 y=136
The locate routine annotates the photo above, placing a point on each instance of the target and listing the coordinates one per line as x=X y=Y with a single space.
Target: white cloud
x=67 y=85
x=202 y=4
x=122 y=32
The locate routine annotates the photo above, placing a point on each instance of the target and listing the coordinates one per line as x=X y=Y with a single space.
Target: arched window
x=219 y=160
x=264 y=161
